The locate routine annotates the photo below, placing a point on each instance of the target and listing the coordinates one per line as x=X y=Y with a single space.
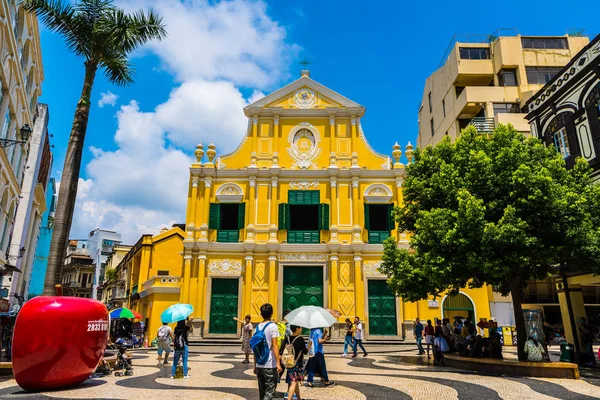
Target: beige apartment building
x=484 y=80
x=21 y=75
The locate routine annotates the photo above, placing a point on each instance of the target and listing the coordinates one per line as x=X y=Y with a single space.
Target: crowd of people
x=460 y=337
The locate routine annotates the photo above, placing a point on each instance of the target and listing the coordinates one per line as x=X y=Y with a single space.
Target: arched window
x=458 y=305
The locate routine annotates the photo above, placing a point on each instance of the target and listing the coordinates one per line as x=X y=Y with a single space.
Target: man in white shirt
x=164 y=335
x=268 y=373
x=358 y=337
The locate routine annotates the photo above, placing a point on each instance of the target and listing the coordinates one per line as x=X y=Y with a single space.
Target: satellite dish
x=16 y=308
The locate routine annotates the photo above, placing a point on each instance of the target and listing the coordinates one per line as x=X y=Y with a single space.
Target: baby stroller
x=124 y=365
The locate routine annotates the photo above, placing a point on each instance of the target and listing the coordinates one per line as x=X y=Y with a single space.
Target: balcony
x=515 y=119
x=77 y=285
x=473 y=98
x=483 y=124
x=162 y=281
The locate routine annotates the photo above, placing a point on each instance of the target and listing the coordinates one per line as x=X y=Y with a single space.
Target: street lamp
x=25 y=133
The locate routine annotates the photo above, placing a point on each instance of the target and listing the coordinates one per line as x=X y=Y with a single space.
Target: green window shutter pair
x=390 y=222
x=214 y=221
x=303 y=197
x=324 y=217
x=284 y=216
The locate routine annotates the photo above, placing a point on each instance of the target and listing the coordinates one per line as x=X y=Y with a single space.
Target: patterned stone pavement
x=218 y=373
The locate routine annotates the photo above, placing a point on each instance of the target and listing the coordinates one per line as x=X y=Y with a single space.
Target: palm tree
x=103 y=36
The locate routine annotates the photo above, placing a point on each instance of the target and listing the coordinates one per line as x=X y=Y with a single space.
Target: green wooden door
x=382 y=309
x=223 y=306
x=302 y=286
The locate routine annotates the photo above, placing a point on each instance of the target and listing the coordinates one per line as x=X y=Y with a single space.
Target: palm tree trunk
x=68 y=184
x=516 y=290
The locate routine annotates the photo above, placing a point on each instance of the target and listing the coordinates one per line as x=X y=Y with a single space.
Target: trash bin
x=567 y=352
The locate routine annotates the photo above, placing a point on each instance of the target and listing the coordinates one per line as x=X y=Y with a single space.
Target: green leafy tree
x=103 y=36
x=111 y=274
x=499 y=210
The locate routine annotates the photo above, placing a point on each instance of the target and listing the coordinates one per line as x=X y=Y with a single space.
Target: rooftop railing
x=476 y=38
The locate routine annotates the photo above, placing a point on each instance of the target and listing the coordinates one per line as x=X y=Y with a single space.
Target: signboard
x=4 y=292
x=107 y=242
x=433 y=303
x=4 y=305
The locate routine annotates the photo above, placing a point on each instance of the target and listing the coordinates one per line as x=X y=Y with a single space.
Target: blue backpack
x=259 y=345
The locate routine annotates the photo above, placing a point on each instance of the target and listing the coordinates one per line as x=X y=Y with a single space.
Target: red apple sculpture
x=58 y=341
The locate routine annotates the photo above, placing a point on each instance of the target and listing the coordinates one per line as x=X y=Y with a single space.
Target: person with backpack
x=180 y=343
x=317 y=339
x=164 y=335
x=265 y=347
x=292 y=357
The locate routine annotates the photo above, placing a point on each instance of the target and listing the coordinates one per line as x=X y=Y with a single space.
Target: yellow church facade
x=296 y=215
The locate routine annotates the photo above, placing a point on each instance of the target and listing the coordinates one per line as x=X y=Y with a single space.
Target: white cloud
x=213 y=49
x=229 y=40
x=207 y=111
x=107 y=98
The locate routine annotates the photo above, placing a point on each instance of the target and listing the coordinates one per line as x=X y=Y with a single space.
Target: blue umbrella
x=177 y=312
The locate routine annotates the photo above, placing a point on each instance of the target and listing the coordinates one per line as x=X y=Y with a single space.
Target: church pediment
x=304 y=98
x=304 y=94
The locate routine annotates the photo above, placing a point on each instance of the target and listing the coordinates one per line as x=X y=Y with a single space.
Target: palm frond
x=117 y=69
x=60 y=17
x=130 y=31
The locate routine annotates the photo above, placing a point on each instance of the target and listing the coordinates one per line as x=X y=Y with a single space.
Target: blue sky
x=377 y=53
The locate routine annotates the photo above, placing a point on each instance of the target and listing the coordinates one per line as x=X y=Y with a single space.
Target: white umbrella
x=310 y=317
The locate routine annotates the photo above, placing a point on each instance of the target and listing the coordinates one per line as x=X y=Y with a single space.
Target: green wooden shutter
x=314 y=197
x=391 y=222
x=214 y=221
x=367 y=219
x=324 y=217
x=284 y=216
x=242 y=215
x=304 y=197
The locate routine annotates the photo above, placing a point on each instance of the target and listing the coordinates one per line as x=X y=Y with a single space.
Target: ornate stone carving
x=199 y=152
x=208 y=182
x=303 y=257
x=333 y=182
x=378 y=193
x=304 y=140
x=304 y=98
x=371 y=268
x=211 y=152
x=230 y=193
x=225 y=267
x=276 y=120
x=304 y=185
x=195 y=181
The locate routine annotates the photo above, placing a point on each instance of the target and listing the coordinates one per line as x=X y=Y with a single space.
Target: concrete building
x=114 y=287
x=100 y=243
x=565 y=114
x=484 y=80
x=78 y=270
x=42 y=251
x=31 y=206
x=296 y=215
x=21 y=76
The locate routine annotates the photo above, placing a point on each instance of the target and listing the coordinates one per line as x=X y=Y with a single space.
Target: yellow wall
x=335 y=159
